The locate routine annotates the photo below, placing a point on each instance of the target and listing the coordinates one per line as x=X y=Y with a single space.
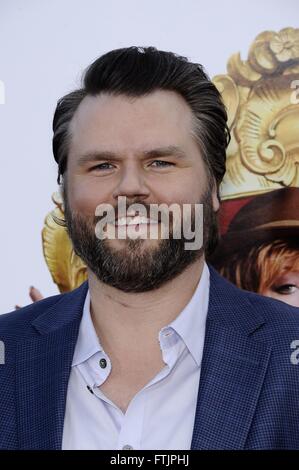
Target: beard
x=136 y=267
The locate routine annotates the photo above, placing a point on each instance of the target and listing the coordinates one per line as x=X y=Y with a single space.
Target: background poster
x=259 y=248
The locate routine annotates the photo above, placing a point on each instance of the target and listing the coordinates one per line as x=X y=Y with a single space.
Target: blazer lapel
x=42 y=372
x=232 y=372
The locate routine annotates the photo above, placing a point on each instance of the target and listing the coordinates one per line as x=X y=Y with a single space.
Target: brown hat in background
x=268 y=217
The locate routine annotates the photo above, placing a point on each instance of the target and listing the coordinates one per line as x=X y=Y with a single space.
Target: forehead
x=121 y=122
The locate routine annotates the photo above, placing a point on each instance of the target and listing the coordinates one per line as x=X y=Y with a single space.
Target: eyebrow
x=169 y=151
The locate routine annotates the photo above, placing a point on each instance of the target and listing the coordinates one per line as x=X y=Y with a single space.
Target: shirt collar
x=88 y=342
x=189 y=325
x=191 y=322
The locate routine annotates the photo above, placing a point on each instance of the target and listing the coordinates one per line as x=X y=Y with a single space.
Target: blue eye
x=102 y=166
x=163 y=163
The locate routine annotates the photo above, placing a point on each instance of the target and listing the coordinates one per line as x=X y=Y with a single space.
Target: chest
x=127 y=378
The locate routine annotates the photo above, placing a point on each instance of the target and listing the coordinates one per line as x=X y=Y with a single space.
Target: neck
x=117 y=314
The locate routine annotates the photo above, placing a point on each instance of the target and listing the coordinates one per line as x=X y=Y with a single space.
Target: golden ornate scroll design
x=263 y=116
x=67 y=269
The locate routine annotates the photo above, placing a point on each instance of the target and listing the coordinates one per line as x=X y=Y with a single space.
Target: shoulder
x=278 y=319
x=44 y=316
x=281 y=319
x=18 y=321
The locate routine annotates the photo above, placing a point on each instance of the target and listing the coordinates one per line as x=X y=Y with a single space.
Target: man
x=156 y=350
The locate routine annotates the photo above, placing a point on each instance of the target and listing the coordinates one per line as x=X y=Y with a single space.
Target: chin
x=132 y=243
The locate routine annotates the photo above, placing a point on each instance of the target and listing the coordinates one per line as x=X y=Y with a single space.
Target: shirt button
x=167 y=333
x=127 y=447
x=103 y=363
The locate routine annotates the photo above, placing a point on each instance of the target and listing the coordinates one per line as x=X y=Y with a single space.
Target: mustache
x=151 y=211
x=146 y=211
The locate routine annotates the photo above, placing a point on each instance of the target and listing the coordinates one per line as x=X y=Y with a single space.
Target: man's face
x=141 y=148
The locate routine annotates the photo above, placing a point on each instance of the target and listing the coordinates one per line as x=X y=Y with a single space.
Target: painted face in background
x=285 y=288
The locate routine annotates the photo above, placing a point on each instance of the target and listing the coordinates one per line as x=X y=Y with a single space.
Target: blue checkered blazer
x=248 y=395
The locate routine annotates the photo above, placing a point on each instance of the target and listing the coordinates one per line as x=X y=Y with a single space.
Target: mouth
x=133 y=221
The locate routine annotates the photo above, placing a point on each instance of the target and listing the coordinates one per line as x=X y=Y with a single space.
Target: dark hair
x=136 y=71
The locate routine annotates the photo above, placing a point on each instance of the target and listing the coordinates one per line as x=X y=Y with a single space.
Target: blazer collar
x=69 y=308
x=229 y=306
x=224 y=298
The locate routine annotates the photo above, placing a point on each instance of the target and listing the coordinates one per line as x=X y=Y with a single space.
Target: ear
x=61 y=195
x=215 y=199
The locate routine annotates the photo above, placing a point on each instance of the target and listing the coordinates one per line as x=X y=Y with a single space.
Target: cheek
x=294 y=301
x=84 y=197
x=181 y=190
x=288 y=299
x=193 y=185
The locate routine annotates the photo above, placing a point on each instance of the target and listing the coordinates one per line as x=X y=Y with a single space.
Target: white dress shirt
x=161 y=415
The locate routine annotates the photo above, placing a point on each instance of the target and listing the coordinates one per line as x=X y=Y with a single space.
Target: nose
x=131 y=184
